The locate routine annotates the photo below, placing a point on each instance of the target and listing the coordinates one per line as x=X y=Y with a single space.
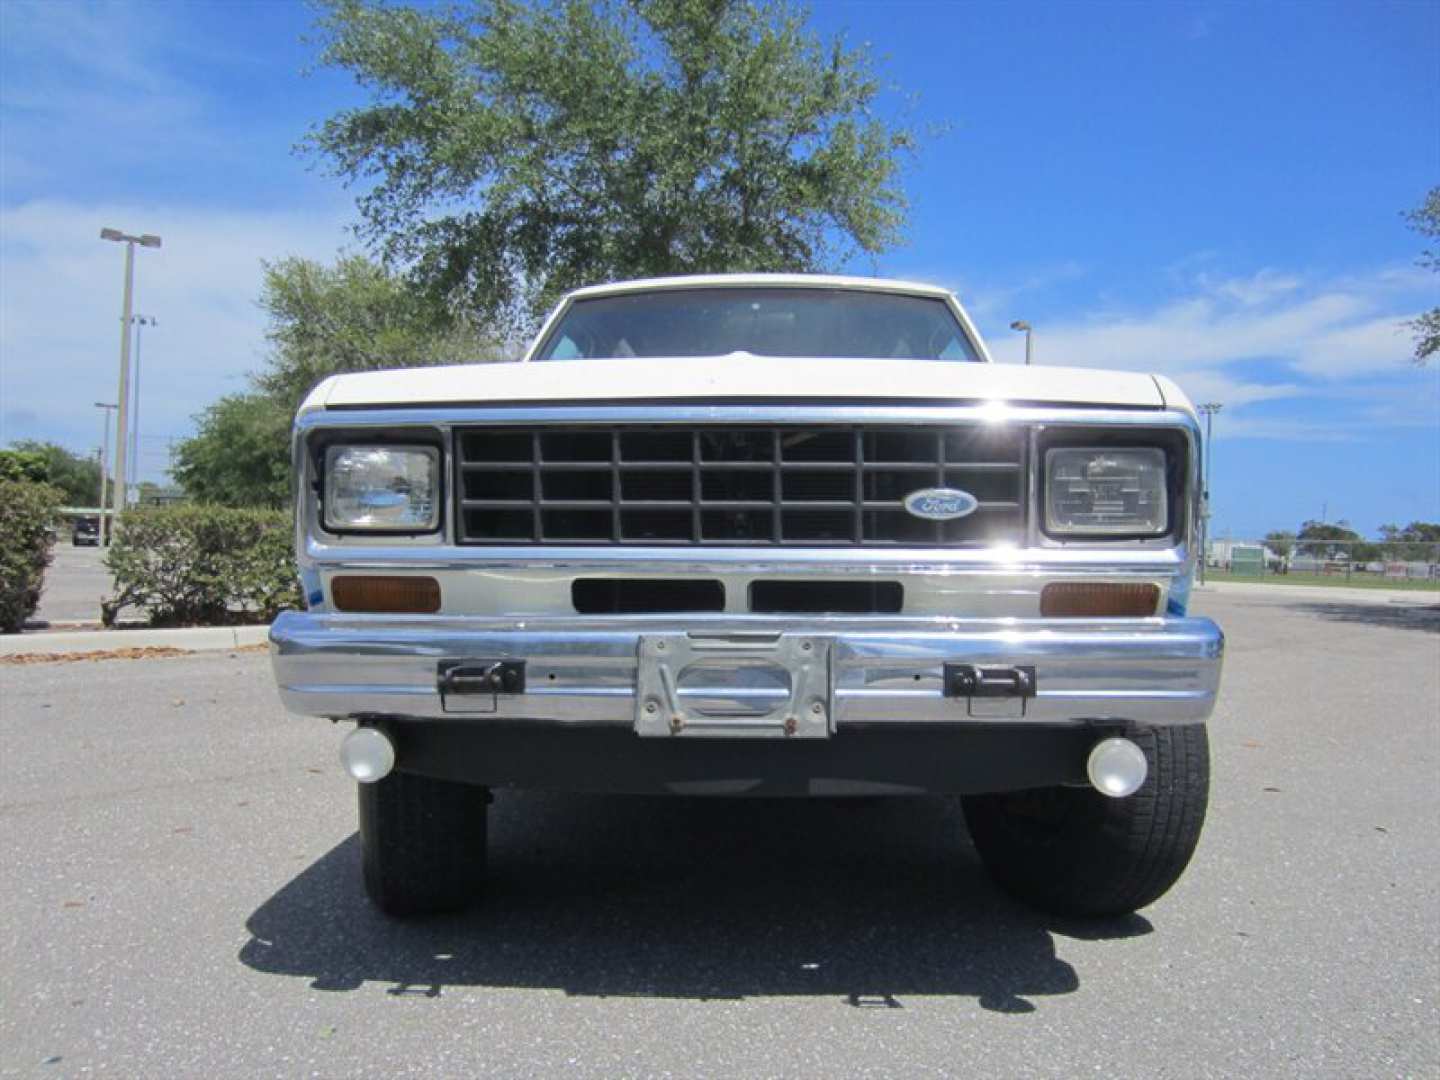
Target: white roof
x=737 y=281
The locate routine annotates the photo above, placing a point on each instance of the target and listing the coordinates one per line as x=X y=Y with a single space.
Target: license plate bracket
x=733 y=686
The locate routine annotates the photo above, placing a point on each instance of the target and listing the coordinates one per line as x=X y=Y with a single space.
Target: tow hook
x=478 y=678
x=973 y=681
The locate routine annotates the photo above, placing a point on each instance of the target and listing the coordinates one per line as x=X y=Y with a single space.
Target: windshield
x=763 y=321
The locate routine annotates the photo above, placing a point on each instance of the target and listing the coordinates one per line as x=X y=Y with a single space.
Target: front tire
x=1075 y=852
x=422 y=843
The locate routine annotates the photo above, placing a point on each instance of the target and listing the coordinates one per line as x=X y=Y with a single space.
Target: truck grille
x=793 y=485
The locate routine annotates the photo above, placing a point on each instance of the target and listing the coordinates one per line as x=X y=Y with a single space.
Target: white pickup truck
x=755 y=535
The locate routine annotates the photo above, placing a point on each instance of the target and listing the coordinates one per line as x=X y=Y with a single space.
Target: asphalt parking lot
x=182 y=898
x=75 y=584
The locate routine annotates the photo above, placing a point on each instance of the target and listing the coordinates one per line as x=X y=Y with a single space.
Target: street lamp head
x=105 y=405
x=1019 y=324
x=149 y=240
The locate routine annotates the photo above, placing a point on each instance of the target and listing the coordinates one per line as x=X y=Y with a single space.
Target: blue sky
x=1207 y=190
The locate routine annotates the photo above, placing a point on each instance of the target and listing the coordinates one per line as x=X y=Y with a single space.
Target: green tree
x=352 y=316
x=27 y=514
x=513 y=150
x=1327 y=540
x=1420 y=540
x=240 y=455
x=1425 y=219
x=23 y=467
x=76 y=475
x=1281 y=542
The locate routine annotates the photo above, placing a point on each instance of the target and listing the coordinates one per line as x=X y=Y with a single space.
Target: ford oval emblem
x=940 y=504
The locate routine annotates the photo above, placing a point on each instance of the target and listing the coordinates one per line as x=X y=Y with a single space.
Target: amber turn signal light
x=1080 y=599
x=393 y=595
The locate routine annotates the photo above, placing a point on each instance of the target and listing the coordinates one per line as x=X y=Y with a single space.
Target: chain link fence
x=1401 y=564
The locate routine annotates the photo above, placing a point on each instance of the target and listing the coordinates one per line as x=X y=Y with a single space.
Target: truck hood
x=739 y=376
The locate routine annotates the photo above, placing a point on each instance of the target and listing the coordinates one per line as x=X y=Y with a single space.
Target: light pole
x=1021 y=324
x=1209 y=409
x=104 y=469
x=141 y=321
x=148 y=240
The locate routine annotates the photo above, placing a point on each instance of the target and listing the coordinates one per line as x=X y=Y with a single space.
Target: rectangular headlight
x=382 y=488
x=1106 y=492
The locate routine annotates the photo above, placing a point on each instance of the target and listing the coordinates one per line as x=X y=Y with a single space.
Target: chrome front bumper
x=880 y=671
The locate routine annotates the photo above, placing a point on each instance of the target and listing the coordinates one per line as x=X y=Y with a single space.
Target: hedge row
x=202 y=565
x=27 y=512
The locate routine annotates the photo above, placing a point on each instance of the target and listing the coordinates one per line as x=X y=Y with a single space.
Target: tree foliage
x=1425 y=219
x=27 y=512
x=205 y=565
x=75 y=475
x=1281 y=542
x=1326 y=540
x=240 y=454
x=350 y=316
x=23 y=466
x=514 y=150
x=1337 y=540
x=1418 y=541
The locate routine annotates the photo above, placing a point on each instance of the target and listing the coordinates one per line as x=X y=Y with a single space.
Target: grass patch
x=1355 y=581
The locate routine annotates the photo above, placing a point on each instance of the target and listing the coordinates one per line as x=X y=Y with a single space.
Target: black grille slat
x=613 y=443
x=777 y=455
x=539 y=517
x=857 y=452
x=697 y=488
x=812 y=485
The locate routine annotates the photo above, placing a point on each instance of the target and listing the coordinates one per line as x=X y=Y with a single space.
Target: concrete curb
x=191 y=639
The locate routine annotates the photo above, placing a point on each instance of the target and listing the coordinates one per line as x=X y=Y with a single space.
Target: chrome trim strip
x=691 y=558
x=993 y=412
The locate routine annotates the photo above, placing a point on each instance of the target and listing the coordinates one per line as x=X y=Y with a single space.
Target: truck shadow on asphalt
x=869 y=902
x=1423 y=617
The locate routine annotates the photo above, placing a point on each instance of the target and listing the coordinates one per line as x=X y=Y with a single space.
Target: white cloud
x=1216 y=385
x=90 y=85
x=60 y=297
x=1352 y=347
x=1304 y=337
x=1203 y=330
x=993 y=300
x=1255 y=289
x=108 y=41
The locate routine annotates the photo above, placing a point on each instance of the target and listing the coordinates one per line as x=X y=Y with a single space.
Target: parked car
x=85 y=532
x=760 y=535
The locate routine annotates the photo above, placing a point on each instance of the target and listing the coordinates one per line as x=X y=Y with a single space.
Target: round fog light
x=367 y=755
x=1117 y=767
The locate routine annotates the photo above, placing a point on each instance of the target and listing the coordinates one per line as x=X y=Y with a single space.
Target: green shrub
x=26 y=513
x=202 y=565
x=24 y=466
